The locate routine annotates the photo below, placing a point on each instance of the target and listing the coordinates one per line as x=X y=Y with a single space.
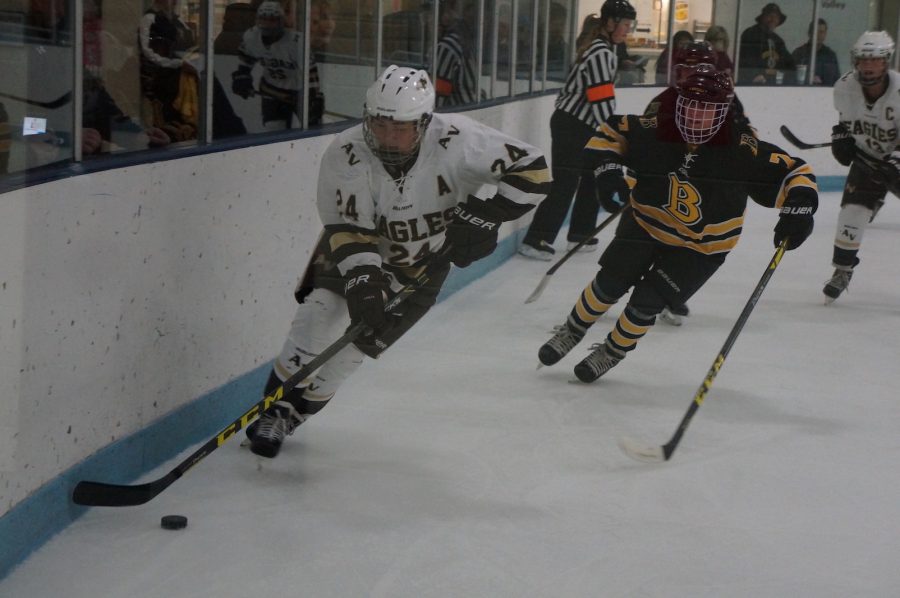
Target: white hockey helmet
x=270 y=19
x=872 y=44
x=401 y=94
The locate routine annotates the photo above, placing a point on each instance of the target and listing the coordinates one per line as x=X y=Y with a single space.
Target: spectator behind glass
x=827 y=69
x=679 y=40
x=321 y=25
x=169 y=83
x=238 y=18
x=631 y=68
x=557 y=48
x=321 y=28
x=106 y=128
x=718 y=37
x=764 y=59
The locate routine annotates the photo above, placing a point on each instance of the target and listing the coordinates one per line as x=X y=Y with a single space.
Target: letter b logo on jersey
x=684 y=200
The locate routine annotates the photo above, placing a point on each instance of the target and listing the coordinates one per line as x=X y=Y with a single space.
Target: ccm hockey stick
x=536 y=293
x=100 y=494
x=60 y=101
x=659 y=454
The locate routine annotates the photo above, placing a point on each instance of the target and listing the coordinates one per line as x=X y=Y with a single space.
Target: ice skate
x=564 y=340
x=267 y=433
x=839 y=282
x=542 y=250
x=674 y=316
x=602 y=359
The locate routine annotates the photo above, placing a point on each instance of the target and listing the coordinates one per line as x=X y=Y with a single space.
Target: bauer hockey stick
x=100 y=494
x=536 y=293
x=60 y=101
x=659 y=454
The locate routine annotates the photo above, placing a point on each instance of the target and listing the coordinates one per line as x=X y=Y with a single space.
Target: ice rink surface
x=452 y=467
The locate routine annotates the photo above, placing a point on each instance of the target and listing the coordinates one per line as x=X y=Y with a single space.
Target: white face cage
x=392 y=156
x=698 y=121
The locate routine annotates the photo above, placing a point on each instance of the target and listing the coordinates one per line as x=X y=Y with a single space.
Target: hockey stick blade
x=60 y=101
x=659 y=454
x=793 y=139
x=99 y=494
x=643 y=452
x=539 y=290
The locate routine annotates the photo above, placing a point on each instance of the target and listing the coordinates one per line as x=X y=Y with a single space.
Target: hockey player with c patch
x=394 y=193
x=868 y=101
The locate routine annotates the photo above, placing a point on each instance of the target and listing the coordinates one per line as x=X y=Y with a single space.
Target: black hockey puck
x=173 y=522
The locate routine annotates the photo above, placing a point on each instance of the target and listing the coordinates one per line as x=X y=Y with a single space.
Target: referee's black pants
x=568 y=138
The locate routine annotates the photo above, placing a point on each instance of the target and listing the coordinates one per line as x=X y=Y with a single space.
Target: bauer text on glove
x=843 y=146
x=795 y=223
x=610 y=178
x=472 y=234
x=365 y=293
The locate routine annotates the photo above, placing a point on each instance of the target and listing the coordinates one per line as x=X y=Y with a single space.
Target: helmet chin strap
x=871 y=82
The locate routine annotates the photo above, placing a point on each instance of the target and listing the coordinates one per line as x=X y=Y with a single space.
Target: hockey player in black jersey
x=691 y=55
x=695 y=168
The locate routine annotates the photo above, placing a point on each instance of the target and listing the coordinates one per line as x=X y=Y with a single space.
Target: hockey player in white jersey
x=278 y=50
x=866 y=139
x=392 y=193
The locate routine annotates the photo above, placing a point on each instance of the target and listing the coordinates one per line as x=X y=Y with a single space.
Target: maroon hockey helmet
x=704 y=97
x=693 y=54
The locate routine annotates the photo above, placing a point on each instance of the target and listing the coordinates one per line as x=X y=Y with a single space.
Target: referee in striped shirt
x=585 y=102
x=455 y=82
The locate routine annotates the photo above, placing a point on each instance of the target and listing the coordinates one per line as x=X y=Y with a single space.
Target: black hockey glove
x=365 y=293
x=892 y=170
x=242 y=82
x=843 y=146
x=795 y=223
x=472 y=234
x=610 y=178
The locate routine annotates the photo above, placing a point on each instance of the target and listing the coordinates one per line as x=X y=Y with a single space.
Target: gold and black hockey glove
x=795 y=222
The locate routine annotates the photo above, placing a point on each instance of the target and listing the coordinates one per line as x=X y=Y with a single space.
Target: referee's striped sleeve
x=599 y=74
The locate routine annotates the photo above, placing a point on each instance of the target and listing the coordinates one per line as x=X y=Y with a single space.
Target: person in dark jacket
x=827 y=69
x=763 y=54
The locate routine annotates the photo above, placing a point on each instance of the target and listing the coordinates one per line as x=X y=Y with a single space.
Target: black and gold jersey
x=695 y=196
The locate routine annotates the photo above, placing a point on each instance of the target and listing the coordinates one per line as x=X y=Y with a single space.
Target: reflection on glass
x=524 y=46
x=36 y=119
x=169 y=67
x=407 y=36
